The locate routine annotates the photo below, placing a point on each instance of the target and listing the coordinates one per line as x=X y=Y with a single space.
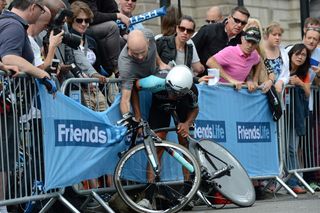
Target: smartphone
x=54 y=64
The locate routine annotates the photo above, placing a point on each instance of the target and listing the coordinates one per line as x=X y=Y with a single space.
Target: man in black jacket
x=212 y=38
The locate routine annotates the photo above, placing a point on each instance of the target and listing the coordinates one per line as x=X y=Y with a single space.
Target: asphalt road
x=280 y=202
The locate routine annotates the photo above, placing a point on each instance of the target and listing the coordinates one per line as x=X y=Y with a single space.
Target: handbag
x=274 y=103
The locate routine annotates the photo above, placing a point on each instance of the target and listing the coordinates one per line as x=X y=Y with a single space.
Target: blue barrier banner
x=242 y=123
x=79 y=143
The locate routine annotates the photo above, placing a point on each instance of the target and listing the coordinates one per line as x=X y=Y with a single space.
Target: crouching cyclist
x=176 y=88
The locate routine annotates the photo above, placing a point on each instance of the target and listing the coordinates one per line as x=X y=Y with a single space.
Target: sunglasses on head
x=210 y=21
x=81 y=20
x=238 y=21
x=184 y=29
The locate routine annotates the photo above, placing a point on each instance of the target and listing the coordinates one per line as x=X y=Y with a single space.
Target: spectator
x=214 y=15
x=311 y=22
x=236 y=62
x=311 y=39
x=14 y=50
x=126 y=8
x=176 y=48
x=212 y=38
x=299 y=58
x=3 y=4
x=54 y=41
x=137 y=60
x=169 y=22
x=276 y=56
x=84 y=57
x=106 y=32
x=264 y=77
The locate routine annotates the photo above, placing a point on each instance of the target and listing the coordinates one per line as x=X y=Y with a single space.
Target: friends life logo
x=253 y=132
x=86 y=133
x=212 y=130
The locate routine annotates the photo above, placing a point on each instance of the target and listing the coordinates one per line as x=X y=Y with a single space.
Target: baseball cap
x=252 y=34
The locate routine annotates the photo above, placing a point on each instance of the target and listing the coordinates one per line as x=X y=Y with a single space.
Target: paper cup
x=216 y=73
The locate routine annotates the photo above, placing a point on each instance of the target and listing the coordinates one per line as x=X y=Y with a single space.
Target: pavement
x=280 y=202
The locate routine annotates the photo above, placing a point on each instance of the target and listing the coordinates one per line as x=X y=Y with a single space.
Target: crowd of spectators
x=244 y=51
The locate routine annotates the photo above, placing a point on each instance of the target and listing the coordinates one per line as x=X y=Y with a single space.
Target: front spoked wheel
x=235 y=185
x=144 y=191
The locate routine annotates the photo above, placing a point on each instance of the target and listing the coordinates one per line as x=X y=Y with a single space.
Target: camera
x=69 y=39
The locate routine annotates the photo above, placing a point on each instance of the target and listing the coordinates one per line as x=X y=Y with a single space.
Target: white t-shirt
x=36 y=52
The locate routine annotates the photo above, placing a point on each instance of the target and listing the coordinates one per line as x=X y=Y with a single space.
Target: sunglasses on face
x=238 y=21
x=184 y=29
x=131 y=1
x=81 y=20
x=210 y=21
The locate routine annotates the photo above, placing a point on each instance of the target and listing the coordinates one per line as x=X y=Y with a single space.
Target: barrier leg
x=102 y=203
x=286 y=186
x=303 y=182
x=68 y=204
x=85 y=202
x=48 y=205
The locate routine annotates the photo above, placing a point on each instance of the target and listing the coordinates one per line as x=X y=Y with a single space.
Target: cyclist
x=176 y=88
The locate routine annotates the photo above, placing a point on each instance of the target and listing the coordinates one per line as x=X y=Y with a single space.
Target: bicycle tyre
x=166 y=192
x=237 y=187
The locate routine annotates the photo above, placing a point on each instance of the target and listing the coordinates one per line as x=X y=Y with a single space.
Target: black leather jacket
x=166 y=47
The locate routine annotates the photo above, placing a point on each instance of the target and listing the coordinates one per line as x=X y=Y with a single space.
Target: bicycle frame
x=149 y=138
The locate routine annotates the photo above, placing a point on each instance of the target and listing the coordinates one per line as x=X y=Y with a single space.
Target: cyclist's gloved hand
x=49 y=84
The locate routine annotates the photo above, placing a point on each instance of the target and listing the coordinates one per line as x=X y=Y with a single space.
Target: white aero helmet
x=179 y=78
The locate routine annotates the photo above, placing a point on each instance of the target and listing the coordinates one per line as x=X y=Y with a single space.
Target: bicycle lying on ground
x=155 y=189
x=220 y=170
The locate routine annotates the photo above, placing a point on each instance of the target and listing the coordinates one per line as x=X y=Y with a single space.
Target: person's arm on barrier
x=295 y=80
x=9 y=68
x=197 y=68
x=24 y=66
x=316 y=70
x=252 y=82
x=102 y=79
x=212 y=63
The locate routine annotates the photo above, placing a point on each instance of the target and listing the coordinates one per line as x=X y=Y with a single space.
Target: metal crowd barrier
x=21 y=151
x=21 y=147
x=308 y=145
x=85 y=91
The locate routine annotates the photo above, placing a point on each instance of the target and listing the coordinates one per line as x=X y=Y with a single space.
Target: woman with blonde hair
x=277 y=60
